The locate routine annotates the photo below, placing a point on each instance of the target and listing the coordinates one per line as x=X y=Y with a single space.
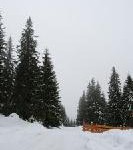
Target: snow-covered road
x=16 y=134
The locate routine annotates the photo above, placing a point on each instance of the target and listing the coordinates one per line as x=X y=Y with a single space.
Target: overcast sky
x=85 y=38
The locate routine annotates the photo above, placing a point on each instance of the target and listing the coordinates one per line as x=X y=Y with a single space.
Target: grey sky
x=85 y=38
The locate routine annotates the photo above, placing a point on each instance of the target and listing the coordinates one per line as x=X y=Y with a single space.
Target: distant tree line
x=117 y=110
x=66 y=121
x=27 y=88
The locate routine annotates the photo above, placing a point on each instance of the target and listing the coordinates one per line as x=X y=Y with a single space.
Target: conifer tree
x=127 y=102
x=10 y=74
x=50 y=94
x=63 y=115
x=26 y=93
x=103 y=104
x=91 y=102
x=114 y=104
x=3 y=71
x=95 y=103
x=81 y=112
x=100 y=104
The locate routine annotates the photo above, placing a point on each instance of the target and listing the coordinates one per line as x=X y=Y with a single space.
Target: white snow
x=16 y=134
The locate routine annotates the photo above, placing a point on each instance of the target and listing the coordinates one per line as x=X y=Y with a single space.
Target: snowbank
x=16 y=134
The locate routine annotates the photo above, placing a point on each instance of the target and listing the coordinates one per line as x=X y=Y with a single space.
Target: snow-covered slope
x=16 y=134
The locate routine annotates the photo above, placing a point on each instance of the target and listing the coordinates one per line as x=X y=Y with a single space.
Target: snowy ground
x=16 y=134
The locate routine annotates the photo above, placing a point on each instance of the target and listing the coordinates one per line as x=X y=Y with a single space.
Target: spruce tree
x=10 y=74
x=95 y=103
x=81 y=112
x=114 y=104
x=63 y=115
x=127 y=102
x=100 y=104
x=91 y=102
x=50 y=107
x=103 y=114
x=3 y=69
x=26 y=92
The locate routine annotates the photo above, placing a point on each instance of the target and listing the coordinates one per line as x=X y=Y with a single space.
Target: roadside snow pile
x=16 y=134
x=110 y=140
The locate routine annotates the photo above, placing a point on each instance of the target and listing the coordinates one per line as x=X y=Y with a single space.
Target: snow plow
x=95 y=128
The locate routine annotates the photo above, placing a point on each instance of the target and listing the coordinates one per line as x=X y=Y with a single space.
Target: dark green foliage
x=35 y=95
x=103 y=109
x=92 y=106
x=27 y=75
x=95 y=104
x=3 y=69
x=29 y=90
x=127 y=102
x=114 y=104
x=63 y=115
x=50 y=94
x=119 y=109
x=81 y=112
x=10 y=75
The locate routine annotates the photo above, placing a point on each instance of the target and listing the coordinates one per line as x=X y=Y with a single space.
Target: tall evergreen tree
x=127 y=102
x=27 y=75
x=50 y=94
x=10 y=73
x=3 y=69
x=114 y=104
x=100 y=104
x=103 y=114
x=91 y=117
x=95 y=103
x=81 y=112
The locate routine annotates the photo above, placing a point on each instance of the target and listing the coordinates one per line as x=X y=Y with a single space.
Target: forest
x=116 y=110
x=30 y=88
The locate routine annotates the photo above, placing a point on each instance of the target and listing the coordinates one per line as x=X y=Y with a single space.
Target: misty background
x=85 y=38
